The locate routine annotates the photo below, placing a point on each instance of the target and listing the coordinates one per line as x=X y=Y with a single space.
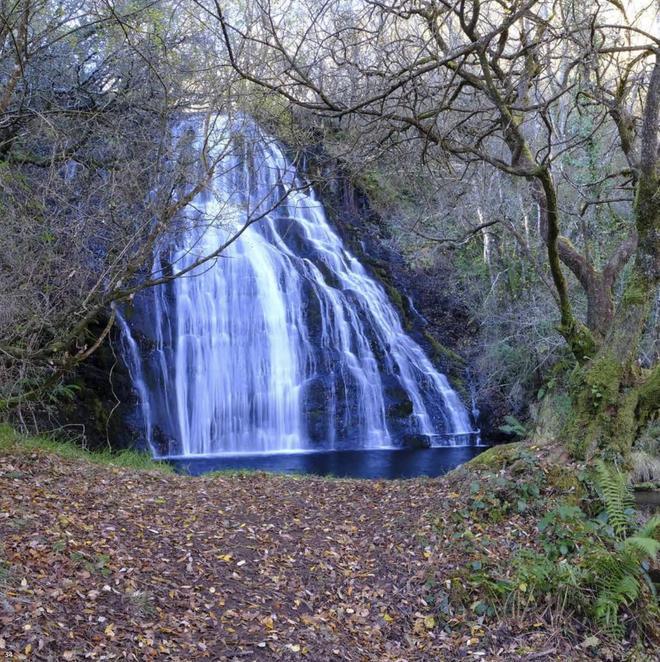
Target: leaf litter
x=113 y=563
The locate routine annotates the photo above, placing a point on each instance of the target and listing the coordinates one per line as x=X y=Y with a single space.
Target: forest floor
x=107 y=562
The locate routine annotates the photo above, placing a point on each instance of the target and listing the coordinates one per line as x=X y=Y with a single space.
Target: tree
x=93 y=180
x=510 y=85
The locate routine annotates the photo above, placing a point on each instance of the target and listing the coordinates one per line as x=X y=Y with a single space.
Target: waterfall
x=284 y=342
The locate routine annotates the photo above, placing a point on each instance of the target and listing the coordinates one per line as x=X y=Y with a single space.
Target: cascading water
x=285 y=342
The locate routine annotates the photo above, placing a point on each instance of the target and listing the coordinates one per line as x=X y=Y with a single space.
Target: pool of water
x=380 y=463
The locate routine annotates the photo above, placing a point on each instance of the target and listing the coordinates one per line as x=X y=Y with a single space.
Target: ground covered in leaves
x=104 y=562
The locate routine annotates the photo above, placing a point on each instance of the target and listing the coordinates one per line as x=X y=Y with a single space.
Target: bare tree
x=93 y=181
x=503 y=84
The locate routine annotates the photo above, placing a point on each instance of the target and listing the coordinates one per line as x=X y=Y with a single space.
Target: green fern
x=61 y=392
x=608 y=603
x=609 y=561
x=647 y=548
x=651 y=529
x=617 y=498
x=617 y=573
x=595 y=567
x=514 y=427
x=615 y=577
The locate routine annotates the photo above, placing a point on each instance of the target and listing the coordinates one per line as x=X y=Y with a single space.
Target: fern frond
x=606 y=613
x=616 y=495
x=647 y=548
x=651 y=529
x=627 y=590
x=606 y=609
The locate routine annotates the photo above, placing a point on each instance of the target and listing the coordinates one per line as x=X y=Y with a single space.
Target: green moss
x=396 y=299
x=553 y=412
x=647 y=212
x=635 y=293
x=395 y=296
x=567 y=483
x=453 y=364
x=603 y=416
x=649 y=397
x=382 y=190
x=579 y=339
x=496 y=458
x=603 y=377
x=441 y=351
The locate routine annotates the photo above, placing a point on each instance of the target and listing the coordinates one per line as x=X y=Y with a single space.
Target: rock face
x=102 y=413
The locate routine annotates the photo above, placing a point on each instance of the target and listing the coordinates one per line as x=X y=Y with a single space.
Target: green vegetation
x=142 y=602
x=4 y=573
x=513 y=426
x=11 y=441
x=588 y=558
x=496 y=458
x=386 y=190
x=92 y=564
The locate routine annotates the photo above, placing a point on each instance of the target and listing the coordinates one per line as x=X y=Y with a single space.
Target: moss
x=603 y=417
x=625 y=424
x=452 y=363
x=553 y=412
x=603 y=377
x=567 y=483
x=635 y=293
x=496 y=458
x=649 y=397
x=647 y=213
x=394 y=295
x=382 y=190
x=441 y=351
x=396 y=299
x=579 y=339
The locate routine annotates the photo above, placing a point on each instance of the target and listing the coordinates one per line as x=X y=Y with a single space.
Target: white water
x=285 y=342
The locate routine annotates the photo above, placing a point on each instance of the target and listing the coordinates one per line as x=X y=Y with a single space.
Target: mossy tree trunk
x=613 y=396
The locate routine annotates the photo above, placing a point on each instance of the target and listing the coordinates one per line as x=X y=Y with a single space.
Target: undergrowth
x=589 y=557
x=127 y=458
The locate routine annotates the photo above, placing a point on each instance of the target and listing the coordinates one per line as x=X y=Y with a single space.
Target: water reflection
x=378 y=463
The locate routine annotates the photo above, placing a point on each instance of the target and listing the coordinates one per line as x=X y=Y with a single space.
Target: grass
x=142 y=602
x=4 y=572
x=11 y=441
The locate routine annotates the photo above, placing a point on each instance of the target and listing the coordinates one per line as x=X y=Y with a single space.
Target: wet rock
x=417 y=441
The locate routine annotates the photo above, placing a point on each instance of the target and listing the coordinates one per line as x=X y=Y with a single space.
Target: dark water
x=384 y=463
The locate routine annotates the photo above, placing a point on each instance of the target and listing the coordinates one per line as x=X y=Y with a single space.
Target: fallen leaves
x=109 y=563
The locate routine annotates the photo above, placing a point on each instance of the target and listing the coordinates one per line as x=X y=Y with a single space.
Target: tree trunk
x=612 y=395
x=600 y=304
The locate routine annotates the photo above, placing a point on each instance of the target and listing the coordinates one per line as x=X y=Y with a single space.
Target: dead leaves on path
x=104 y=563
